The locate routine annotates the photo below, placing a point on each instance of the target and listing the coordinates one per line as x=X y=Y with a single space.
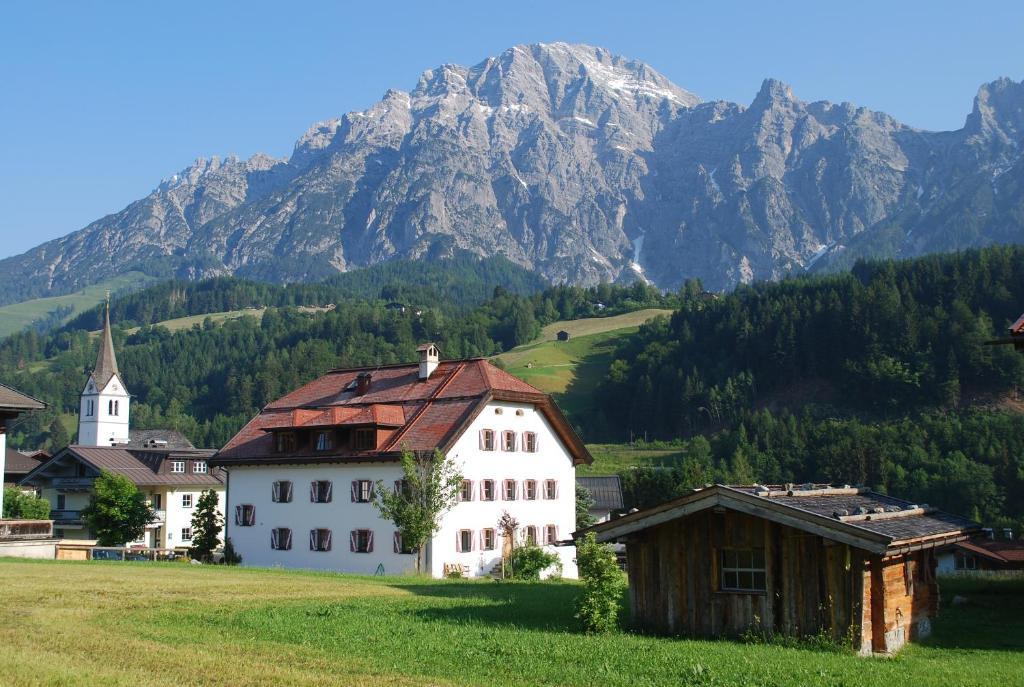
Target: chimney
x=428 y=359
x=363 y=383
x=1007 y=534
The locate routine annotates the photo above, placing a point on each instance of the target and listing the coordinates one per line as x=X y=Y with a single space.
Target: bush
x=21 y=506
x=529 y=560
x=598 y=607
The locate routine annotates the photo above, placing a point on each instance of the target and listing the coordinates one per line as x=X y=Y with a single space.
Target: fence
x=84 y=552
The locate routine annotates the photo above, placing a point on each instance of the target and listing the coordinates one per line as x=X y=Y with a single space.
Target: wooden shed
x=563 y=335
x=792 y=560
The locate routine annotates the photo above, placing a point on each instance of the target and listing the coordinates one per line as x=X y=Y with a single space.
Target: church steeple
x=103 y=413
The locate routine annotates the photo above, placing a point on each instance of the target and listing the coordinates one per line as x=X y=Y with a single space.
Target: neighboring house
x=300 y=474
x=607 y=495
x=563 y=335
x=13 y=404
x=794 y=560
x=982 y=554
x=162 y=463
x=1015 y=337
x=18 y=464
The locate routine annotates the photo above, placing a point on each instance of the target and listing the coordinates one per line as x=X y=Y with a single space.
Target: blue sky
x=99 y=101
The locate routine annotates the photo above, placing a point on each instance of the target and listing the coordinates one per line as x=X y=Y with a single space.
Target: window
x=550 y=534
x=323 y=441
x=360 y=541
x=401 y=487
x=186 y=534
x=464 y=541
x=62 y=502
x=530 y=490
x=530 y=442
x=281 y=539
x=550 y=489
x=281 y=492
x=320 y=491
x=743 y=570
x=110 y=407
x=508 y=440
x=487 y=539
x=466 y=490
x=487 y=490
x=362 y=490
x=400 y=545
x=245 y=515
x=89 y=408
x=530 y=535
x=186 y=500
x=320 y=540
x=117 y=405
x=364 y=440
x=964 y=561
x=508 y=490
x=157 y=500
x=284 y=442
x=199 y=467
x=177 y=467
x=486 y=439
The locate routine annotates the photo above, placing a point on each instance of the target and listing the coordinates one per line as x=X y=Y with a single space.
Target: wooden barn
x=562 y=335
x=792 y=560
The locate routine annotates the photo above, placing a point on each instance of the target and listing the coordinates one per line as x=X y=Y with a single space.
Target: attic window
x=199 y=467
x=177 y=467
x=323 y=441
x=285 y=442
x=364 y=440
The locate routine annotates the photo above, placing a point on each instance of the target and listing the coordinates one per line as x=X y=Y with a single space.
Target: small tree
x=117 y=511
x=20 y=506
x=529 y=561
x=207 y=524
x=507 y=526
x=584 y=502
x=598 y=606
x=430 y=487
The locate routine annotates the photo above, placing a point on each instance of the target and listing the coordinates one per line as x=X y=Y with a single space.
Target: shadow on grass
x=527 y=605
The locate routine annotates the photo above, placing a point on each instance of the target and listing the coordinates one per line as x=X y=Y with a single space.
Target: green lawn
x=18 y=316
x=70 y=623
x=610 y=459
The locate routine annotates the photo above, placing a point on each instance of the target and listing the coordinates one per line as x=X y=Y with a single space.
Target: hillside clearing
x=611 y=459
x=18 y=316
x=167 y=624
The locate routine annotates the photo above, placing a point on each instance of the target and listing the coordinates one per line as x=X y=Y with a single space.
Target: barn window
x=281 y=539
x=487 y=539
x=743 y=570
x=530 y=490
x=508 y=440
x=487 y=490
x=320 y=540
x=530 y=442
x=284 y=442
x=466 y=490
x=281 y=492
x=486 y=439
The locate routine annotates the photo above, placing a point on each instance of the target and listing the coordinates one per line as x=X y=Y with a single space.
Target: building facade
x=301 y=474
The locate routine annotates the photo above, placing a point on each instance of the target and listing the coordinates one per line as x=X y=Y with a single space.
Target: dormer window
x=177 y=467
x=364 y=439
x=323 y=441
x=285 y=442
x=199 y=467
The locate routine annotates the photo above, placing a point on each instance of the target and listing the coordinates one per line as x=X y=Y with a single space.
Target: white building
x=301 y=472
x=163 y=464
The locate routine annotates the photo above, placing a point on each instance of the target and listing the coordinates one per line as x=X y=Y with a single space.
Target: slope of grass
x=571 y=370
x=610 y=459
x=69 y=623
x=18 y=316
x=179 y=323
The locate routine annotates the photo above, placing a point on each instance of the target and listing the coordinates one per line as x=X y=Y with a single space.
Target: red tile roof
x=1002 y=550
x=1017 y=328
x=422 y=414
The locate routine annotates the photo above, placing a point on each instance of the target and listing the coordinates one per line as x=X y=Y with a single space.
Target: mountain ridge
x=580 y=164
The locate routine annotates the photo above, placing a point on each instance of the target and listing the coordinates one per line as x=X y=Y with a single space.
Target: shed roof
x=875 y=522
x=606 y=491
x=12 y=399
x=18 y=463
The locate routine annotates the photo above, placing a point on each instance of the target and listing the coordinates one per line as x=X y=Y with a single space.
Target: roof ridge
x=426 y=403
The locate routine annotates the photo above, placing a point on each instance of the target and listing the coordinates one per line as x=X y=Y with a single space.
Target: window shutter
x=397 y=539
x=288 y=492
x=483 y=446
x=556 y=489
x=327 y=541
x=312 y=540
x=330 y=492
x=458 y=541
x=355 y=491
x=275 y=492
x=352 y=541
x=312 y=492
x=369 y=542
x=472 y=541
x=273 y=539
x=398 y=486
x=238 y=515
x=288 y=539
x=483 y=544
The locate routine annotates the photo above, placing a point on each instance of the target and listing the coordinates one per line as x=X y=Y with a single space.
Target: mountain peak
x=998 y=110
x=773 y=91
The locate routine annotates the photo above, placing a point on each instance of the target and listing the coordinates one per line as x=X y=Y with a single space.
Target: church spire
x=106 y=361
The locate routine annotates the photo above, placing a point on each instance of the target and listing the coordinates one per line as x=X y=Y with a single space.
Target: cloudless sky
x=100 y=101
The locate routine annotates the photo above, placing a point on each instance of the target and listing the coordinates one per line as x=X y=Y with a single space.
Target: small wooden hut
x=563 y=335
x=792 y=560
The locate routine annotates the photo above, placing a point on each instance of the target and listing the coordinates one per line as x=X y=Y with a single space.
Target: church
x=163 y=464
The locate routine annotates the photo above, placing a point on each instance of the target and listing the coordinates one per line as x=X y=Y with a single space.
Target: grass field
x=81 y=623
x=610 y=459
x=571 y=370
x=18 y=316
x=181 y=323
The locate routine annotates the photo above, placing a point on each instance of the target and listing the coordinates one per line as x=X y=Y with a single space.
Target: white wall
x=179 y=517
x=101 y=427
x=252 y=485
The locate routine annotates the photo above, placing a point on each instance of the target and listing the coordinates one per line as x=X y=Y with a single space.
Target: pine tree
x=58 y=435
x=207 y=524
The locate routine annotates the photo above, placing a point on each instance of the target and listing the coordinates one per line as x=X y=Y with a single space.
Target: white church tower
x=103 y=415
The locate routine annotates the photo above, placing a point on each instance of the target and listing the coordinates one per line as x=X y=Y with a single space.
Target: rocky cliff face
x=580 y=164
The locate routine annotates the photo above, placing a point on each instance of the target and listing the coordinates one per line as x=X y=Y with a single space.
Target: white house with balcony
x=163 y=464
x=300 y=474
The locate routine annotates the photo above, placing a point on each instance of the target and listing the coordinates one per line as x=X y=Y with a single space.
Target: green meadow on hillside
x=18 y=316
x=85 y=623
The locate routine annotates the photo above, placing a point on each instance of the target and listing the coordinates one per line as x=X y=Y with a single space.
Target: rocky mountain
x=580 y=164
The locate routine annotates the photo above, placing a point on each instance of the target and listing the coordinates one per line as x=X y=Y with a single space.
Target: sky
x=100 y=101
